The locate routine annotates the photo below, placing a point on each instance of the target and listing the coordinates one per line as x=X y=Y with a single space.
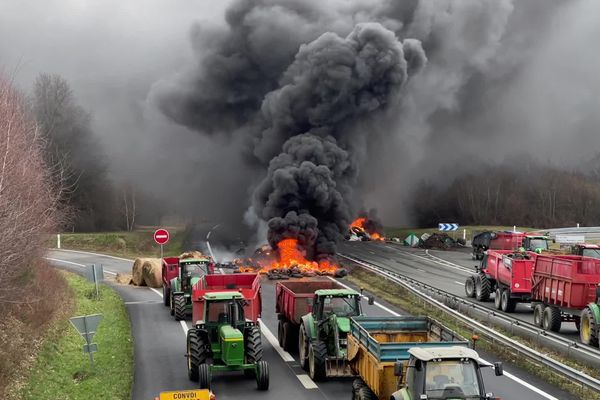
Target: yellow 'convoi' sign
x=200 y=394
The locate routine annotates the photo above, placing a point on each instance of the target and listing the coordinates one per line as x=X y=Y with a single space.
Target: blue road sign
x=447 y=227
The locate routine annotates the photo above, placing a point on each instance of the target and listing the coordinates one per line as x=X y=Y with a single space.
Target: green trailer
x=413 y=358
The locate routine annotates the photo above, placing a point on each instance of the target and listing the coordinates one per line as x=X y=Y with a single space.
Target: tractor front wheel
x=254 y=349
x=303 y=348
x=166 y=296
x=588 y=330
x=317 y=353
x=179 y=307
x=204 y=376
x=470 y=287
x=196 y=354
x=262 y=375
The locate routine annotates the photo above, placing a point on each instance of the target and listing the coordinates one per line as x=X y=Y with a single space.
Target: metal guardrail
x=411 y=285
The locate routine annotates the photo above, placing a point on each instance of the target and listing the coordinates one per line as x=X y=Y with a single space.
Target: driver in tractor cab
x=339 y=306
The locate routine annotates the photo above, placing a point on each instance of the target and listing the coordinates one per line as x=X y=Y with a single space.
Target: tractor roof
x=336 y=292
x=538 y=237
x=222 y=296
x=445 y=353
x=194 y=260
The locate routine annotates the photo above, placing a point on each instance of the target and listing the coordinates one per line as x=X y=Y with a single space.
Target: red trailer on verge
x=246 y=284
x=566 y=289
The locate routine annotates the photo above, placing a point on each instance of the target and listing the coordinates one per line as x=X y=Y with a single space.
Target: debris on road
x=439 y=241
x=124 y=279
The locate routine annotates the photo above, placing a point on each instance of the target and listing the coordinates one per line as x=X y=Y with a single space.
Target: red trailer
x=247 y=284
x=505 y=273
x=294 y=299
x=565 y=288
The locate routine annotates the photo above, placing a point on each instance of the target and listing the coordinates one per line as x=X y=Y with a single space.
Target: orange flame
x=290 y=256
x=359 y=223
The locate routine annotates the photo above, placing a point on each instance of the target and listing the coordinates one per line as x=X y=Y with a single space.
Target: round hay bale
x=137 y=277
x=191 y=254
x=151 y=272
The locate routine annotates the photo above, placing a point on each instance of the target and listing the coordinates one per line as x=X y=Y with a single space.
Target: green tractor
x=225 y=341
x=191 y=270
x=323 y=336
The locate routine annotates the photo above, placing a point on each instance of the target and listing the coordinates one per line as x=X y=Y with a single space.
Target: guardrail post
x=58 y=240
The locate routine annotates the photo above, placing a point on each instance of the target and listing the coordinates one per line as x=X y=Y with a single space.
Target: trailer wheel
x=483 y=287
x=589 y=328
x=357 y=384
x=290 y=339
x=498 y=299
x=171 y=304
x=262 y=375
x=179 y=307
x=280 y=333
x=303 y=348
x=551 y=320
x=204 y=376
x=166 y=296
x=538 y=314
x=470 y=287
x=365 y=393
x=317 y=353
x=196 y=354
x=508 y=304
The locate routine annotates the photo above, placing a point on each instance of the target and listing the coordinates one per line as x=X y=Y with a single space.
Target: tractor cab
x=586 y=250
x=192 y=268
x=535 y=243
x=443 y=373
x=339 y=302
x=225 y=341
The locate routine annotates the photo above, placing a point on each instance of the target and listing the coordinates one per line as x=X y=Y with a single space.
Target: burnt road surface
x=159 y=347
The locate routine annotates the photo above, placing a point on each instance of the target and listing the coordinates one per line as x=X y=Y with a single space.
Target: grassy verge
x=62 y=371
x=120 y=244
x=404 y=232
x=400 y=297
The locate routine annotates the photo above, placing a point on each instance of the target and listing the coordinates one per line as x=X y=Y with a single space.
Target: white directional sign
x=447 y=227
x=570 y=239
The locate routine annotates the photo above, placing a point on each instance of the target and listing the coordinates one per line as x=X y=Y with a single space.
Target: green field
x=62 y=371
x=121 y=244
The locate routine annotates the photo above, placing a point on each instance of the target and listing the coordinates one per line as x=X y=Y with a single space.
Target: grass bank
x=402 y=298
x=471 y=230
x=62 y=371
x=120 y=244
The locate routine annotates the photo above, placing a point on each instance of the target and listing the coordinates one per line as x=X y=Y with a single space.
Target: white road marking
x=307 y=382
x=459 y=283
x=76 y=264
x=94 y=254
x=274 y=342
x=157 y=292
x=184 y=327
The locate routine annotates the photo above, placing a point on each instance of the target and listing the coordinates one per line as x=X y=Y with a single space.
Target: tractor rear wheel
x=588 y=328
x=508 y=304
x=498 y=299
x=483 y=287
x=470 y=287
x=303 y=348
x=204 y=376
x=166 y=296
x=317 y=353
x=290 y=341
x=551 y=320
x=262 y=375
x=179 y=307
x=196 y=353
x=538 y=314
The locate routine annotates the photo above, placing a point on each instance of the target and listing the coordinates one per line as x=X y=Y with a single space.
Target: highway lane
x=160 y=345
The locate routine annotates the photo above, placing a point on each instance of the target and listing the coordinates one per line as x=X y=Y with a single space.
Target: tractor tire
x=262 y=375
x=470 y=287
x=303 y=348
x=166 y=296
x=589 y=328
x=357 y=384
x=483 y=287
x=204 y=376
x=508 y=304
x=171 y=304
x=317 y=353
x=498 y=298
x=552 y=320
x=365 y=393
x=254 y=349
x=280 y=333
x=290 y=339
x=196 y=354
x=538 y=314
x=179 y=307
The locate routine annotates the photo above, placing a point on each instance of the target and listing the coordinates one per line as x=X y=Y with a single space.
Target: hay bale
x=124 y=279
x=151 y=272
x=192 y=254
x=137 y=277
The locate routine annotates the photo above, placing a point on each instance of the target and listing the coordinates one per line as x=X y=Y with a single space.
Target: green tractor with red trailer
x=190 y=271
x=224 y=340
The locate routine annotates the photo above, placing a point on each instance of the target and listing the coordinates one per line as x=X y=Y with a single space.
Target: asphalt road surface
x=160 y=364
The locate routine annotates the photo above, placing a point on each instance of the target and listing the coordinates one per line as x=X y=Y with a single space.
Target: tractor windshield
x=539 y=243
x=218 y=312
x=196 y=269
x=346 y=306
x=594 y=253
x=452 y=379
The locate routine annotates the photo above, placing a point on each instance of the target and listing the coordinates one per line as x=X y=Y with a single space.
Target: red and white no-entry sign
x=161 y=236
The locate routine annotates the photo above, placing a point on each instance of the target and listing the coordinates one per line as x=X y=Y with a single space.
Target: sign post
x=95 y=274
x=86 y=326
x=161 y=237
